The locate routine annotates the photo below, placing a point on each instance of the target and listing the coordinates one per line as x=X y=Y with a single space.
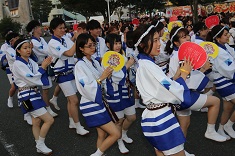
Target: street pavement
x=16 y=138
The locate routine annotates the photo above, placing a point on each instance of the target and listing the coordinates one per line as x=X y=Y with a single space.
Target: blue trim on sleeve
x=44 y=77
x=203 y=84
x=186 y=95
x=41 y=70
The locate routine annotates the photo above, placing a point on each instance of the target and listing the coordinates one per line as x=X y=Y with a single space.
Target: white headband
x=219 y=32
x=143 y=35
x=25 y=41
x=156 y=24
x=174 y=36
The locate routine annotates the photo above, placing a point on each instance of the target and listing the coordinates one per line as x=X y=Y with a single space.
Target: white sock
x=210 y=128
x=48 y=108
x=41 y=139
x=10 y=98
x=124 y=133
x=221 y=127
x=55 y=97
x=98 y=152
x=71 y=120
x=210 y=92
x=230 y=123
x=78 y=124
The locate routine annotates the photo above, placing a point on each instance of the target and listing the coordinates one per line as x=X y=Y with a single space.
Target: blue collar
x=199 y=38
x=143 y=56
x=21 y=59
x=36 y=38
x=176 y=48
x=222 y=46
x=60 y=40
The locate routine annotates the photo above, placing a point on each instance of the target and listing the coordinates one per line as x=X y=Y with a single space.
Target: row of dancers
x=75 y=65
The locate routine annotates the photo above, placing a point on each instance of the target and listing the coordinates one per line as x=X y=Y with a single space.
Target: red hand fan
x=194 y=52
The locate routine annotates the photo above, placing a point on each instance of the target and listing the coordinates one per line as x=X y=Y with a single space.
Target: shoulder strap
x=53 y=64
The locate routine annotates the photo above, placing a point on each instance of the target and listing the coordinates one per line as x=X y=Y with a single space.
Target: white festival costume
x=224 y=72
x=196 y=83
x=64 y=64
x=28 y=75
x=161 y=127
x=91 y=104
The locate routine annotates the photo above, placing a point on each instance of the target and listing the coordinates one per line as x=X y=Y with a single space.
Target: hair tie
x=171 y=46
x=25 y=41
x=219 y=32
x=143 y=35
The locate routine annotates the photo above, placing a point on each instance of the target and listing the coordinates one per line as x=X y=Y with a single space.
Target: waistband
x=64 y=73
x=153 y=106
x=28 y=88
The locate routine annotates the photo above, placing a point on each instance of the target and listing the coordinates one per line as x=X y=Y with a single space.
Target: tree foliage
x=7 y=23
x=99 y=7
x=41 y=9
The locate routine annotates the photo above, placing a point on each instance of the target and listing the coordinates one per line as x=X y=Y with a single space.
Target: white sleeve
x=86 y=85
x=57 y=50
x=21 y=70
x=153 y=83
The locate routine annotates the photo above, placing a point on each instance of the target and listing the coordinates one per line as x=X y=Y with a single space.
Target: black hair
x=111 y=39
x=160 y=25
x=31 y=25
x=129 y=39
x=82 y=39
x=189 y=26
x=176 y=38
x=11 y=36
x=144 y=46
x=16 y=43
x=92 y=24
x=199 y=26
x=7 y=31
x=55 y=23
x=82 y=25
x=232 y=24
x=214 y=31
x=123 y=28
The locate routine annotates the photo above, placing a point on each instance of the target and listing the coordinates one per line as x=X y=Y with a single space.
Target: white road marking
x=8 y=146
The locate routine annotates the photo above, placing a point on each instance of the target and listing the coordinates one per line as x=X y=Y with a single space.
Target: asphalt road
x=16 y=138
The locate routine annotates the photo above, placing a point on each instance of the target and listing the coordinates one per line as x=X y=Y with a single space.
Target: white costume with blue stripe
x=40 y=48
x=4 y=47
x=101 y=48
x=91 y=104
x=11 y=56
x=162 y=60
x=29 y=75
x=64 y=64
x=160 y=126
x=224 y=72
x=118 y=94
x=196 y=83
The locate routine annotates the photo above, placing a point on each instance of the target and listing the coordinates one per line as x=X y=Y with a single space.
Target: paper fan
x=211 y=49
x=114 y=60
x=212 y=21
x=194 y=52
x=173 y=24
